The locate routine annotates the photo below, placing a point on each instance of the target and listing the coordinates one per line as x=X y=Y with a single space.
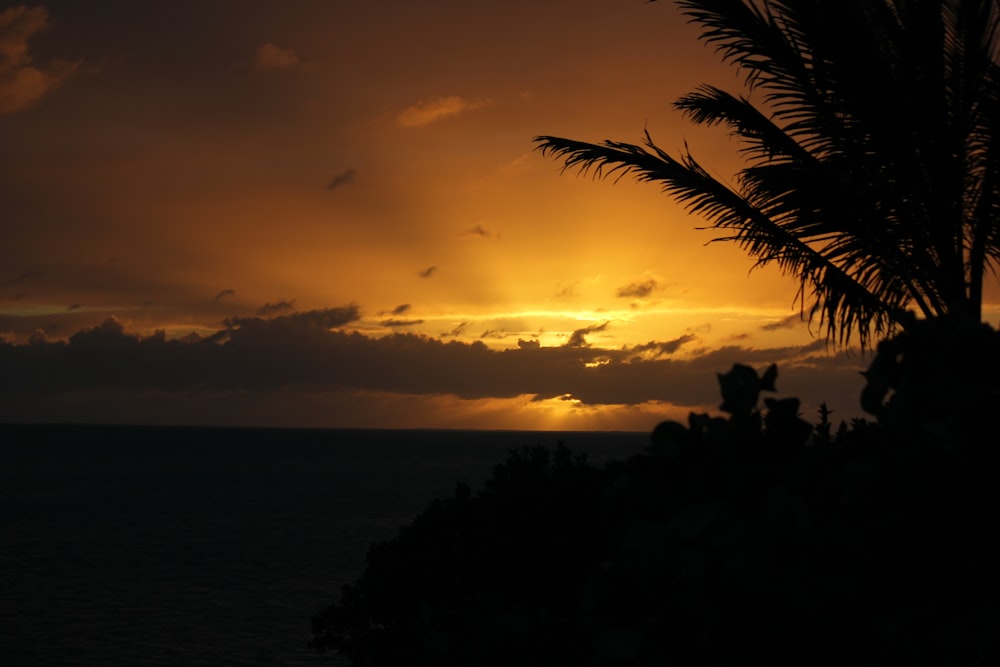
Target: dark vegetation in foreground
x=759 y=537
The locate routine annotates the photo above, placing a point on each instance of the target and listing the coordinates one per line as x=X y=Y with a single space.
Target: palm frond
x=873 y=171
x=843 y=303
x=709 y=105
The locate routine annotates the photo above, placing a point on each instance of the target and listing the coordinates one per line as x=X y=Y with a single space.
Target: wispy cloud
x=657 y=349
x=21 y=278
x=438 y=108
x=577 y=338
x=638 y=290
x=401 y=309
x=223 y=294
x=271 y=57
x=428 y=272
x=21 y=83
x=457 y=331
x=343 y=178
x=567 y=291
x=519 y=165
x=790 y=322
x=400 y=323
x=481 y=231
x=272 y=309
x=278 y=329
x=817 y=345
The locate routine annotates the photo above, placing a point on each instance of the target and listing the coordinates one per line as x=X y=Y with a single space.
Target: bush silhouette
x=482 y=574
x=731 y=540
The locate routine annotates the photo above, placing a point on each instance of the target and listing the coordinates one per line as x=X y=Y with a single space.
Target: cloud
x=657 y=349
x=104 y=336
x=311 y=351
x=401 y=309
x=21 y=83
x=816 y=346
x=400 y=323
x=790 y=322
x=343 y=178
x=528 y=344
x=270 y=309
x=438 y=108
x=519 y=165
x=638 y=290
x=223 y=294
x=495 y=334
x=480 y=230
x=20 y=278
x=54 y=320
x=567 y=291
x=428 y=272
x=270 y=57
x=457 y=331
x=323 y=319
x=577 y=339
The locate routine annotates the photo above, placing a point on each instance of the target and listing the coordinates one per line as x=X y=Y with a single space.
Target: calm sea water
x=193 y=546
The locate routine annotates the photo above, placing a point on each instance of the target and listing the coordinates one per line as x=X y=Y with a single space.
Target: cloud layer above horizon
x=311 y=353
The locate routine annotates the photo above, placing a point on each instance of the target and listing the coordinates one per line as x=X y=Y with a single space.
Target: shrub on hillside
x=752 y=537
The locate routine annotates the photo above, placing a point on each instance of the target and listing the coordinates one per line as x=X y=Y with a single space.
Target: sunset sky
x=330 y=213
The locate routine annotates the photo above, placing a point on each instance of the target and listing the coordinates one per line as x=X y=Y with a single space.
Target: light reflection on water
x=140 y=546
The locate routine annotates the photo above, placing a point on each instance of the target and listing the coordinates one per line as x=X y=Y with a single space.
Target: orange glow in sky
x=188 y=167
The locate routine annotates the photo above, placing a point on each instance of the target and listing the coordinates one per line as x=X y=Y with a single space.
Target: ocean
x=152 y=546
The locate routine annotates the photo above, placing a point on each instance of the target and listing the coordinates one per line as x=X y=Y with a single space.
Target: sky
x=323 y=213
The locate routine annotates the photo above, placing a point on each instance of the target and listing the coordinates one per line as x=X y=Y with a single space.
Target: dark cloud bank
x=310 y=352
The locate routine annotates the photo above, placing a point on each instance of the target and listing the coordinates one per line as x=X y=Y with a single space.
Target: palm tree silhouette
x=873 y=170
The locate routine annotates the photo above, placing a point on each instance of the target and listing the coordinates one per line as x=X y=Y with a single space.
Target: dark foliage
x=752 y=538
x=478 y=578
x=938 y=383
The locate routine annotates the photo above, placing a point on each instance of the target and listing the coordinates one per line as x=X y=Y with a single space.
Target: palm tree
x=869 y=129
